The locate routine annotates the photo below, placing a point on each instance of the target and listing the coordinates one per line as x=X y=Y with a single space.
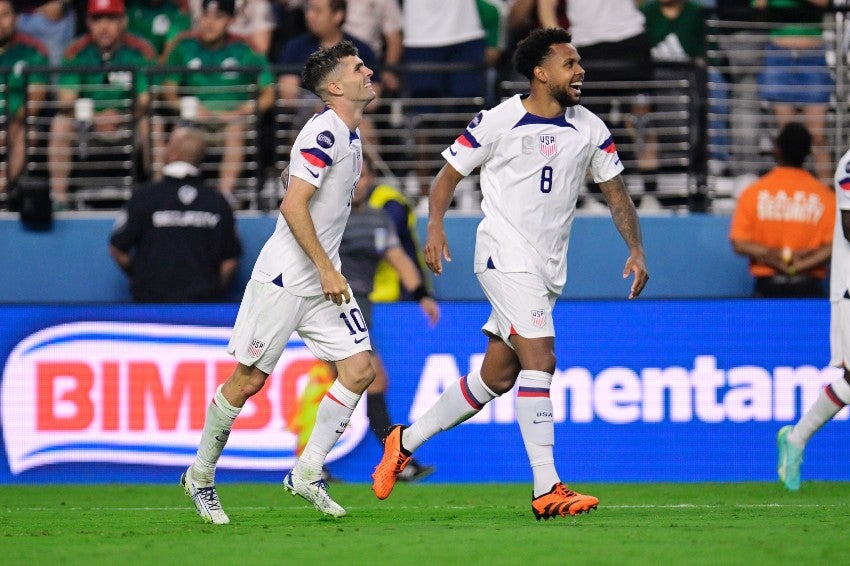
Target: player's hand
x=431 y=309
x=335 y=287
x=636 y=264
x=436 y=247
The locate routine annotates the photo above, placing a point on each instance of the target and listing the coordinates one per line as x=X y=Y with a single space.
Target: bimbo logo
x=138 y=393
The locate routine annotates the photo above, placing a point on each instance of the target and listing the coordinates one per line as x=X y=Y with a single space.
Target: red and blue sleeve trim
x=317 y=157
x=467 y=140
x=608 y=145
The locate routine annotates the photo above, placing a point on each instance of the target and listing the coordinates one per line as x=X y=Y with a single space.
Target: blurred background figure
x=783 y=223
x=157 y=21
x=17 y=51
x=176 y=238
x=441 y=31
x=795 y=77
x=107 y=44
x=253 y=20
x=53 y=22
x=378 y=23
x=227 y=102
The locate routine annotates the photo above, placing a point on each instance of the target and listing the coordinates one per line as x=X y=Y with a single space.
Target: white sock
x=219 y=421
x=534 y=415
x=332 y=417
x=461 y=400
x=832 y=399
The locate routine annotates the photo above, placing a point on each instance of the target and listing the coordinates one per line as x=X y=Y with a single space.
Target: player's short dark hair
x=322 y=63
x=794 y=143
x=531 y=51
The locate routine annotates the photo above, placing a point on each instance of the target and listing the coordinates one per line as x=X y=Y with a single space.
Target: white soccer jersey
x=532 y=169
x=328 y=156
x=839 y=279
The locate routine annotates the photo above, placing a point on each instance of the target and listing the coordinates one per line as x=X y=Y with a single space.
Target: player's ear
x=334 y=88
x=540 y=74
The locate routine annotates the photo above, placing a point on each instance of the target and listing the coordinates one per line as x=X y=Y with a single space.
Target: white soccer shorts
x=269 y=314
x=521 y=304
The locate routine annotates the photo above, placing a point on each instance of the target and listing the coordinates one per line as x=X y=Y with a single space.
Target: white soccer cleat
x=205 y=499
x=315 y=492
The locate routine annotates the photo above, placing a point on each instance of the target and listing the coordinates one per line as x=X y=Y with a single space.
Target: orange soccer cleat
x=394 y=460
x=562 y=501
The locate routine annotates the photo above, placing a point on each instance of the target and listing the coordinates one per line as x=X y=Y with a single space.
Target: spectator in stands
x=784 y=223
x=369 y=239
x=17 y=51
x=253 y=20
x=493 y=16
x=795 y=76
x=227 y=100
x=289 y=23
x=741 y=43
x=51 y=21
x=158 y=21
x=107 y=44
x=378 y=23
x=176 y=238
x=324 y=19
x=611 y=37
x=677 y=34
x=448 y=32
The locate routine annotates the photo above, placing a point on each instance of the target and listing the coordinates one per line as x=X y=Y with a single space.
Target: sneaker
x=414 y=471
x=205 y=499
x=790 y=458
x=391 y=465
x=315 y=492
x=561 y=500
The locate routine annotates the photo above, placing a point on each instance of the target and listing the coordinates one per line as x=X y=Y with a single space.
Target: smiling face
x=354 y=80
x=563 y=74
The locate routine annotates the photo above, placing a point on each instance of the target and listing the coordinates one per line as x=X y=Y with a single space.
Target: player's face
x=564 y=73
x=212 y=25
x=7 y=22
x=106 y=30
x=356 y=80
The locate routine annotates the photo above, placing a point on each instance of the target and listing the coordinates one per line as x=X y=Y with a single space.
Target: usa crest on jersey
x=548 y=145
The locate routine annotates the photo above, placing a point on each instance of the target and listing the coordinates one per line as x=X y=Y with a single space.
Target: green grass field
x=659 y=524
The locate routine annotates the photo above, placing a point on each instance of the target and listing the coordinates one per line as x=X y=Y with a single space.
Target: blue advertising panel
x=644 y=390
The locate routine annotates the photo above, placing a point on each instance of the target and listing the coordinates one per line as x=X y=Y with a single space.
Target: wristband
x=420 y=293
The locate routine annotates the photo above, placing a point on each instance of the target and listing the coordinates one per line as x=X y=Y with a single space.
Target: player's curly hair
x=531 y=51
x=322 y=63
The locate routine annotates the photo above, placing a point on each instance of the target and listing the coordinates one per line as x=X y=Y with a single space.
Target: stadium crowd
x=112 y=78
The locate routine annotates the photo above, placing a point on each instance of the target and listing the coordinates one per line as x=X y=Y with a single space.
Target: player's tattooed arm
x=625 y=218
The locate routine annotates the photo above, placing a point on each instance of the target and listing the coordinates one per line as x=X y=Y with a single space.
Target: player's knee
x=544 y=361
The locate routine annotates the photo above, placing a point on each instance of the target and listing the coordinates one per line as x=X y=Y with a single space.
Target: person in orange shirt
x=783 y=223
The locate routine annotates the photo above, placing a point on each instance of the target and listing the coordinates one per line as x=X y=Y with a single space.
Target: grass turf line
x=752 y=523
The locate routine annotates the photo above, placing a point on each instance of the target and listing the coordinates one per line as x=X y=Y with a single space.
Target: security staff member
x=176 y=238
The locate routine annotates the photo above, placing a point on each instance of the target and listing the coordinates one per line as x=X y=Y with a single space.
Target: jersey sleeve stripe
x=608 y=145
x=317 y=157
x=467 y=140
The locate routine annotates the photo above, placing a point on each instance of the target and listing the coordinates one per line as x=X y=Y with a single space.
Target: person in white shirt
x=533 y=151
x=792 y=439
x=296 y=285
